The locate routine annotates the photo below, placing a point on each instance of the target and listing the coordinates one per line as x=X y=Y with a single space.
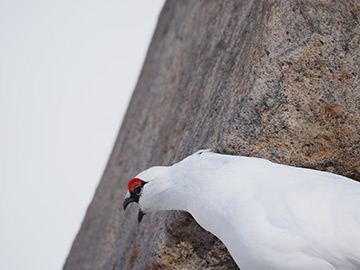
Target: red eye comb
x=133 y=183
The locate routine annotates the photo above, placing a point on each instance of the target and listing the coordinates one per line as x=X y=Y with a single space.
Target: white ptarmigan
x=269 y=216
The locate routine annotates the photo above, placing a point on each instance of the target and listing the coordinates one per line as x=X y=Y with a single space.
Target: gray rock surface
x=273 y=79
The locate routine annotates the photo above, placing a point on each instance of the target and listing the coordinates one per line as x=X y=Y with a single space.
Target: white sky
x=67 y=70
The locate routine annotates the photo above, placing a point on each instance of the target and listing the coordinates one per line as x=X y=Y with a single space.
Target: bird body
x=269 y=216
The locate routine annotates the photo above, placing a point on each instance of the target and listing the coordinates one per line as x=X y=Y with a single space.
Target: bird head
x=149 y=189
x=135 y=187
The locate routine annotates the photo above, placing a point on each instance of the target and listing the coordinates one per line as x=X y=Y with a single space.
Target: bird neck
x=164 y=190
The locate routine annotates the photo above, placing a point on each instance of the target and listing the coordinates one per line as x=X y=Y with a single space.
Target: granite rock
x=273 y=79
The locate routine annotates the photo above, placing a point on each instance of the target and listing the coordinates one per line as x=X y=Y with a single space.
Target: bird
x=269 y=216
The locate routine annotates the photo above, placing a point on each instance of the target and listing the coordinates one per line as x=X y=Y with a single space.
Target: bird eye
x=137 y=190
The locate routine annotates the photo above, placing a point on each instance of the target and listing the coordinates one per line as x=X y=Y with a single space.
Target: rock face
x=274 y=79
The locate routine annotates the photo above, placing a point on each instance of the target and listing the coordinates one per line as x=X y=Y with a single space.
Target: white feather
x=269 y=216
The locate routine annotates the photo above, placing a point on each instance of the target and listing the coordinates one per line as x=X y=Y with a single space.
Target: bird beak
x=127 y=201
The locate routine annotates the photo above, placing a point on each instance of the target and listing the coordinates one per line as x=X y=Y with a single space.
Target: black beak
x=127 y=201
